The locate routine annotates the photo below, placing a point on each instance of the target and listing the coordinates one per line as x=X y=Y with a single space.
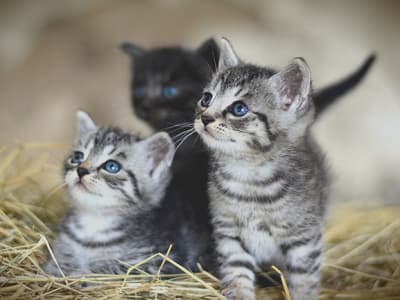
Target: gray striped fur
x=268 y=185
x=114 y=219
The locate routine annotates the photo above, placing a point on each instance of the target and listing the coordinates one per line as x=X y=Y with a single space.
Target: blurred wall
x=58 y=56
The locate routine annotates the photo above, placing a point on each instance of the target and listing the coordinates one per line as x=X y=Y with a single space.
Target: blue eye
x=139 y=92
x=77 y=157
x=206 y=99
x=169 y=91
x=239 y=109
x=112 y=166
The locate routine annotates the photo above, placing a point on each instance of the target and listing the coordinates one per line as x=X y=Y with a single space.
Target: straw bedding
x=362 y=253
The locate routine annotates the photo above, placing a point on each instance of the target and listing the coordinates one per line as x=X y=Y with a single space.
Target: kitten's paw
x=239 y=293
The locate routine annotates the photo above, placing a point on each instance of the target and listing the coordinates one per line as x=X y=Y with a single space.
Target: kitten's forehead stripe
x=247 y=95
x=108 y=136
x=238 y=91
x=122 y=155
x=113 y=149
x=241 y=75
x=87 y=143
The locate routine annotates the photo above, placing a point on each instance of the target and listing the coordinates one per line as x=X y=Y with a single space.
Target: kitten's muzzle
x=82 y=172
x=206 y=119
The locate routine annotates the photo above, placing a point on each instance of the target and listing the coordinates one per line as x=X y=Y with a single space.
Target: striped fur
x=268 y=184
x=117 y=220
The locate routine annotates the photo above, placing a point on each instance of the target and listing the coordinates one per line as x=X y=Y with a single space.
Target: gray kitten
x=268 y=185
x=116 y=182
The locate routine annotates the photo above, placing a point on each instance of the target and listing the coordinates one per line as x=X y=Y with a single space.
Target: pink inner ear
x=292 y=83
x=286 y=102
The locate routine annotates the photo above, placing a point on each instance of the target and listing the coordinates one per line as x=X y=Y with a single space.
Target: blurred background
x=58 y=56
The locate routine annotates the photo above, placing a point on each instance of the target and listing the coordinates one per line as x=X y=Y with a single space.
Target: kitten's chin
x=213 y=143
x=222 y=147
x=80 y=194
x=85 y=201
x=205 y=135
x=81 y=187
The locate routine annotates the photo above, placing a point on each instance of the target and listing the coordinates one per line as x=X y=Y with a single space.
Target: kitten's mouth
x=211 y=136
x=203 y=131
x=208 y=132
x=79 y=183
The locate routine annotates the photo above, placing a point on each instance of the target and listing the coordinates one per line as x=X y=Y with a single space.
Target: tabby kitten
x=268 y=185
x=165 y=86
x=116 y=182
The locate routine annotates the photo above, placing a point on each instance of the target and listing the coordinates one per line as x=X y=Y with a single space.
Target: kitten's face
x=111 y=169
x=245 y=108
x=167 y=82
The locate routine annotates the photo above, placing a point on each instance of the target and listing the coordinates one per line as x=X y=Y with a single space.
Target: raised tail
x=323 y=98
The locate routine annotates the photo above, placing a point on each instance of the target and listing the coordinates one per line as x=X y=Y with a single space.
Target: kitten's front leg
x=303 y=263
x=67 y=266
x=111 y=266
x=237 y=266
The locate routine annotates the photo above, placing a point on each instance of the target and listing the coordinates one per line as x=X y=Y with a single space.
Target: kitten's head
x=167 y=82
x=246 y=109
x=112 y=169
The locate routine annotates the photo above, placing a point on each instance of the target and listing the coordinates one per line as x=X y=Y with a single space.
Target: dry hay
x=362 y=255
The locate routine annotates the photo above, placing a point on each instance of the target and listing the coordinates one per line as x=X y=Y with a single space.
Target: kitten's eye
x=239 y=109
x=77 y=157
x=112 y=166
x=206 y=100
x=139 y=92
x=169 y=91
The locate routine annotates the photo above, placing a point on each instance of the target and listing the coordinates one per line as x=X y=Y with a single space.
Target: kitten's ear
x=132 y=49
x=292 y=85
x=85 y=123
x=159 y=150
x=227 y=57
x=210 y=52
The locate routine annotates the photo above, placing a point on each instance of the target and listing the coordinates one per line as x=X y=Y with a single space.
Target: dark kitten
x=166 y=84
x=168 y=81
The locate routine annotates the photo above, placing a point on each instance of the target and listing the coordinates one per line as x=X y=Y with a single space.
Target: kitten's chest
x=96 y=228
x=95 y=237
x=257 y=235
x=244 y=171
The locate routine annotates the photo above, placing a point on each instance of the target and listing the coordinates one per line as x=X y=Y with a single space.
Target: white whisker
x=179 y=125
x=176 y=130
x=184 y=139
x=179 y=135
x=182 y=135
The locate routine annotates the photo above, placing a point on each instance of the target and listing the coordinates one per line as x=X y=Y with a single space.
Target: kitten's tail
x=326 y=96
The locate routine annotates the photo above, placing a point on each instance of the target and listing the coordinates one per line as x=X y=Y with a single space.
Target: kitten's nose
x=82 y=172
x=206 y=119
